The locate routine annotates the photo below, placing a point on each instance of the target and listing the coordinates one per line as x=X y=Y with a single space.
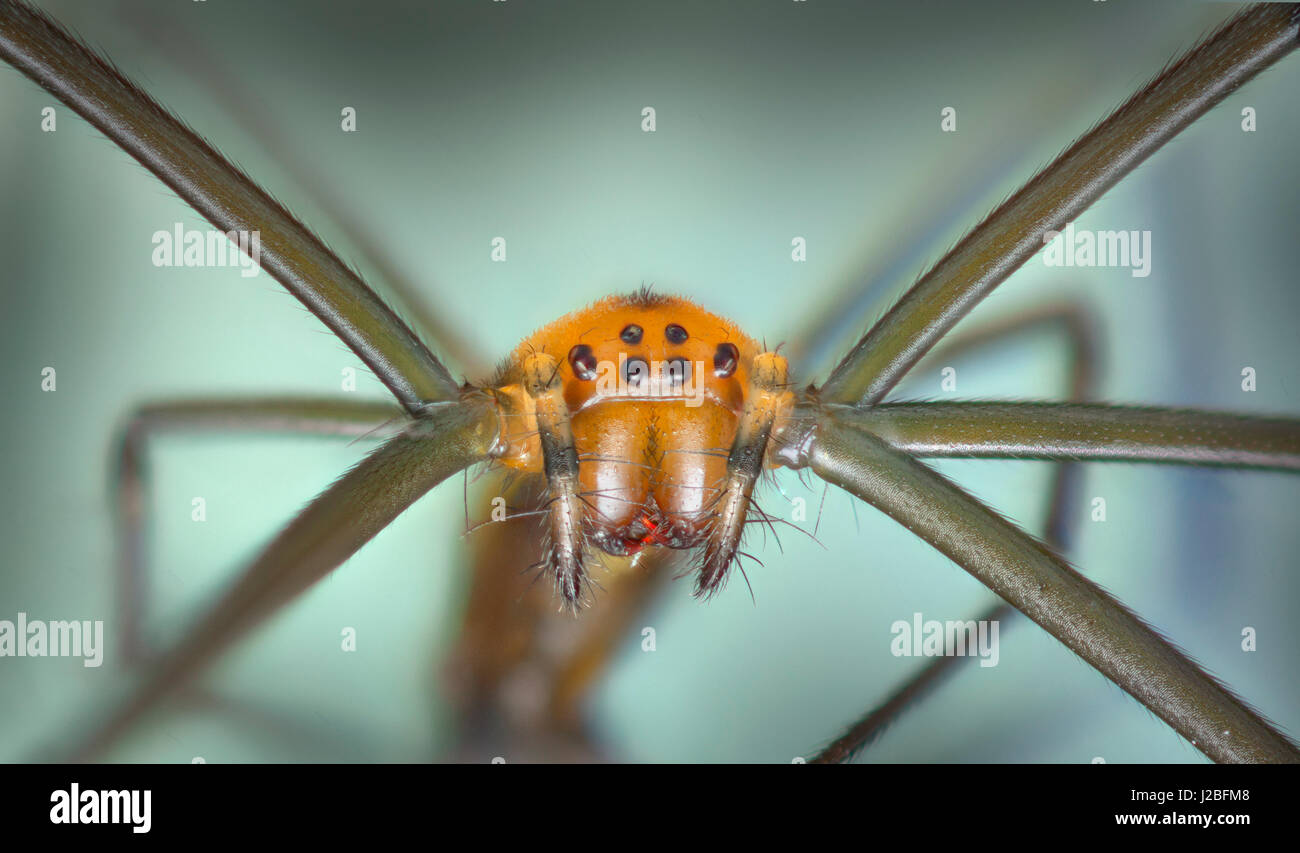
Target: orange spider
x=650 y=430
x=649 y=420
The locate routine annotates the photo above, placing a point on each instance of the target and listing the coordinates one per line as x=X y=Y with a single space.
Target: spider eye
x=631 y=334
x=636 y=370
x=675 y=334
x=583 y=362
x=678 y=370
x=726 y=358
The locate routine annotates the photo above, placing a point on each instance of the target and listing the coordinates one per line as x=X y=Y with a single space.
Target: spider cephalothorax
x=649 y=418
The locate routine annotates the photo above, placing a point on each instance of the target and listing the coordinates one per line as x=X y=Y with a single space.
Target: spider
x=760 y=596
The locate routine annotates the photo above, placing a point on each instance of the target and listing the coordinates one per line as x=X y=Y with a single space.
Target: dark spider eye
x=675 y=334
x=678 y=370
x=726 y=358
x=636 y=370
x=631 y=334
x=583 y=361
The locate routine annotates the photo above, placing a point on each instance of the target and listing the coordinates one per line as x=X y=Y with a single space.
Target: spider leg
x=1095 y=432
x=229 y=199
x=1017 y=567
x=766 y=397
x=1039 y=583
x=1058 y=432
x=253 y=113
x=1236 y=52
x=334 y=526
x=1071 y=321
x=603 y=633
x=299 y=416
x=1079 y=331
x=306 y=416
x=566 y=554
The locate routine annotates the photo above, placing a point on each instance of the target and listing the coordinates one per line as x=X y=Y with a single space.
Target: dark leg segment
x=449 y=438
x=767 y=394
x=1040 y=584
x=1080 y=335
x=1243 y=47
x=301 y=416
x=228 y=198
x=566 y=554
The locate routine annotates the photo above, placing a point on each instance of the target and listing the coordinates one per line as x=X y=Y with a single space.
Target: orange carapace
x=649 y=417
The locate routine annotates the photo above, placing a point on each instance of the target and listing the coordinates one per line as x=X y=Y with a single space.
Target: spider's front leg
x=768 y=400
x=566 y=551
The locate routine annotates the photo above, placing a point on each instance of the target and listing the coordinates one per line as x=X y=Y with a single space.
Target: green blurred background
x=774 y=119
